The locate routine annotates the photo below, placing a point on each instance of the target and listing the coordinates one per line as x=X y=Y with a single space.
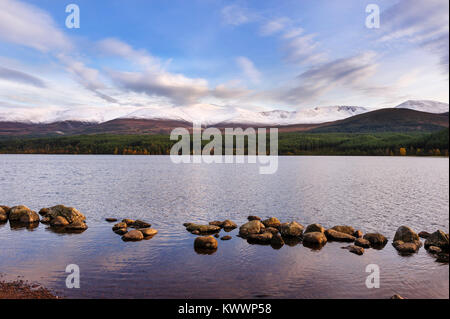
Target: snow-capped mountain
x=207 y=114
x=306 y=116
x=425 y=106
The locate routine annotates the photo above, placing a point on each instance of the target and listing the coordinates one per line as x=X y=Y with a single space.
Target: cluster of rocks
x=141 y=230
x=272 y=232
x=60 y=218
x=208 y=244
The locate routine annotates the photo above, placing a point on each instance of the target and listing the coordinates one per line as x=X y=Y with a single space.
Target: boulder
x=45 y=220
x=133 y=235
x=225 y=238
x=69 y=213
x=250 y=218
x=315 y=238
x=424 y=234
x=438 y=238
x=355 y=249
x=111 y=220
x=277 y=241
x=442 y=258
x=376 y=240
x=216 y=223
x=406 y=234
x=195 y=232
x=338 y=236
x=397 y=297
x=6 y=209
x=148 y=232
x=119 y=226
x=251 y=227
x=344 y=229
x=128 y=221
x=264 y=238
x=272 y=222
x=292 y=229
x=3 y=216
x=271 y=230
x=59 y=221
x=140 y=224
x=434 y=250
x=406 y=248
x=228 y=224
x=314 y=228
x=216 y=235
x=23 y=214
x=361 y=242
x=77 y=226
x=205 y=242
x=121 y=231
x=358 y=234
x=44 y=211
x=203 y=229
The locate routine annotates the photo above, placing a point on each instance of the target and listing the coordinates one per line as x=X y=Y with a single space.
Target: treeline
x=382 y=144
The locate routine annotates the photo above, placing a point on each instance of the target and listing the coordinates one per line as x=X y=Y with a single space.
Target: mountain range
x=421 y=115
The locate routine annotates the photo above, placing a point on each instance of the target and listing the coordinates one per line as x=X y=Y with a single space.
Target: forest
x=295 y=143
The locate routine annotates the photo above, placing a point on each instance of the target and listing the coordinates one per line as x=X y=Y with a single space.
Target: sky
x=208 y=55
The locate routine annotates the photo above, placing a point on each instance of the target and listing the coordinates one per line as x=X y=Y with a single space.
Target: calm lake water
x=369 y=193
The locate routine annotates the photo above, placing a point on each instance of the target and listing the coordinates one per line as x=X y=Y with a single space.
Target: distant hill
x=388 y=120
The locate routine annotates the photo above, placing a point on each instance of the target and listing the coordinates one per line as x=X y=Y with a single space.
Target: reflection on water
x=369 y=193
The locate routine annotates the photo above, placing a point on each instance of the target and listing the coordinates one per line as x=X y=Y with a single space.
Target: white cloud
x=249 y=69
x=27 y=25
x=274 y=26
x=303 y=50
x=21 y=77
x=235 y=15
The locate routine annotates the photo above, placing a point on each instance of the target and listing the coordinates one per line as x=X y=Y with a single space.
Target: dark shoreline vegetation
x=293 y=143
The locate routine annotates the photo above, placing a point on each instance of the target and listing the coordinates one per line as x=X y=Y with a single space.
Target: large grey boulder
x=251 y=227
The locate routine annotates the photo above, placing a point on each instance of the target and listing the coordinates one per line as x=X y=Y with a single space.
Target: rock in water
x=203 y=229
x=361 y=242
x=313 y=228
x=344 y=229
x=128 y=221
x=442 y=258
x=44 y=211
x=225 y=238
x=229 y=224
x=271 y=230
x=205 y=242
x=59 y=221
x=3 y=216
x=120 y=225
x=252 y=227
x=121 y=231
x=23 y=214
x=250 y=218
x=77 y=226
x=338 y=236
x=111 y=220
x=6 y=209
x=133 y=235
x=406 y=248
x=315 y=238
x=355 y=249
x=358 y=234
x=438 y=239
x=397 y=297
x=264 y=238
x=292 y=229
x=69 y=213
x=148 y=232
x=277 y=241
x=434 y=250
x=140 y=224
x=406 y=234
x=376 y=240
x=424 y=234
x=272 y=222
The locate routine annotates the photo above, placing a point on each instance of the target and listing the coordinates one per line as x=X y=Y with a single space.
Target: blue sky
x=209 y=54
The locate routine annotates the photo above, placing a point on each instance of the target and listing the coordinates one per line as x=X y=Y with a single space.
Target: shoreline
x=20 y=289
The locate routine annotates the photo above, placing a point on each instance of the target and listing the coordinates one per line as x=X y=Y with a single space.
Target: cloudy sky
x=206 y=54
